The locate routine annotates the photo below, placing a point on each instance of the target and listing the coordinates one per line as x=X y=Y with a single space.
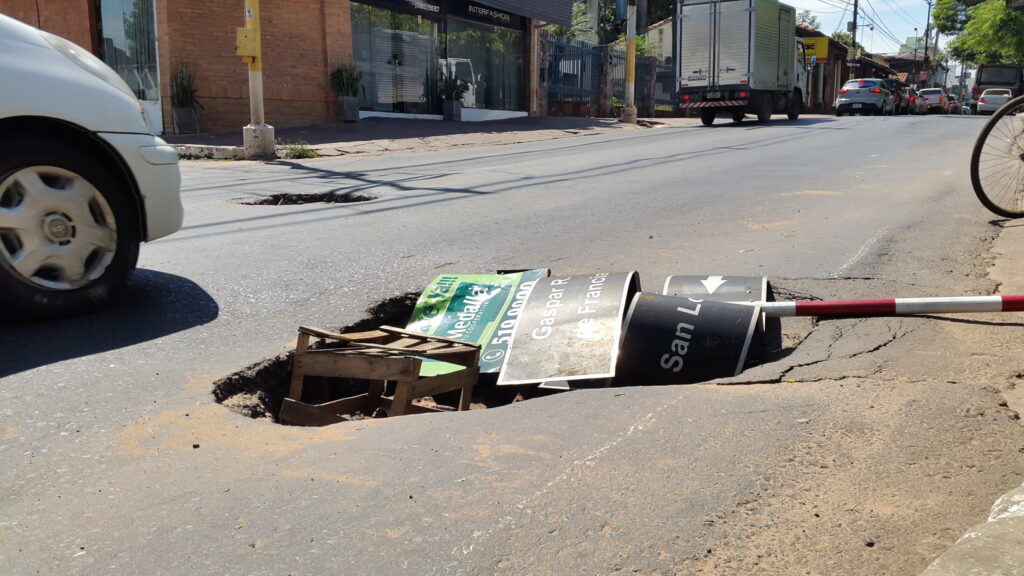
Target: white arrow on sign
x=712 y=283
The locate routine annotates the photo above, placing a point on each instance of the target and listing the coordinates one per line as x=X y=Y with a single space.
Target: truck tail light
x=686 y=96
x=741 y=95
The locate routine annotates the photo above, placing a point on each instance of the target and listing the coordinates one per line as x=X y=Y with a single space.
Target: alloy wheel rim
x=57 y=231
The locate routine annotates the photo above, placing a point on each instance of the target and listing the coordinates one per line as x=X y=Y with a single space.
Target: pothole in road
x=285 y=199
x=258 y=390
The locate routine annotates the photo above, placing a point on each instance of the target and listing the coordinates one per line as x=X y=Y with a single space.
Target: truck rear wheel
x=765 y=108
x=796 y=106
x=707 y=116
x=738 y=115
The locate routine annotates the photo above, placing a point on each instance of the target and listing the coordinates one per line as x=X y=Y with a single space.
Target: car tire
x=707 y=116
x=69 y=234
x=838 y=113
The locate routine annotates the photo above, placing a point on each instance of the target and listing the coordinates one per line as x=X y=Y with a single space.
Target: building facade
x=402 y=46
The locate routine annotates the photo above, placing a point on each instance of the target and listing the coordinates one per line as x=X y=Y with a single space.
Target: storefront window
x=398 y=54
x=129 y=44
x=402 y=47
x=490 y=59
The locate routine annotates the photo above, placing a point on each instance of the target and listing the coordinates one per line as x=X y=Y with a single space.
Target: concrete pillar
x=258 y=140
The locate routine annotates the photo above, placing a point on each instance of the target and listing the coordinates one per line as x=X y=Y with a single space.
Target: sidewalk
x=376 y=135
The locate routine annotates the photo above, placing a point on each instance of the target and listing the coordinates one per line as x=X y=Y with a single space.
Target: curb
x=194 y=152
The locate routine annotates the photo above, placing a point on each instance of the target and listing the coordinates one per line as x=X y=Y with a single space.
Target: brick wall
x=301 y=42
x=71 y=19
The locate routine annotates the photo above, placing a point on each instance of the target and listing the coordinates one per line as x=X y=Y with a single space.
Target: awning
x=554 y=11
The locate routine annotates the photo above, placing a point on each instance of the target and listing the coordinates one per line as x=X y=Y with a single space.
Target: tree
x=806 y=18
x=992 y=33
x=609 y=28
x=846 y=38
x=951 y=16
x=580 y=24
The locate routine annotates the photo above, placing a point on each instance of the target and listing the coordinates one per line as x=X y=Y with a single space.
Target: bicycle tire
x=997 y=161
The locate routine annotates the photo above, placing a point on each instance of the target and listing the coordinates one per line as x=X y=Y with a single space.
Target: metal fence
x=589 y=80
x=573 y=74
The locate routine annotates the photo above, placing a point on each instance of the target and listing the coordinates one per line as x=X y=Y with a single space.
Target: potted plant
x=185 y=105
x=452 y=89
x=347 y=79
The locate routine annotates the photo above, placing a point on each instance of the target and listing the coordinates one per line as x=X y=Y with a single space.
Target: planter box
x=186 y=120
x=452 y=110
x=348 y=108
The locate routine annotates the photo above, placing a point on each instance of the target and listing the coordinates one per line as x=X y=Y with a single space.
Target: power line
x=877 y=21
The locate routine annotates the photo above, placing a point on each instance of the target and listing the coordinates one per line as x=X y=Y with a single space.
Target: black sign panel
x=720 y=288
x=681 y=340
x=558 y=12
x=487 y=14
x=569 y=329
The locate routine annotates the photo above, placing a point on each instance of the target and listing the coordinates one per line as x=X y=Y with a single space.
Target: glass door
x=398 y=56
x=128 y=29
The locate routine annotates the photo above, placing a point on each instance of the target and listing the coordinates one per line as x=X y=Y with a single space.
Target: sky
x=894 y=20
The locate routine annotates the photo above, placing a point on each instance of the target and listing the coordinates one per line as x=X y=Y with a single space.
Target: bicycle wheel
x=997 y=162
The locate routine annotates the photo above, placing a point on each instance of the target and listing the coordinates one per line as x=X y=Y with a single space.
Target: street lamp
x=915 y=57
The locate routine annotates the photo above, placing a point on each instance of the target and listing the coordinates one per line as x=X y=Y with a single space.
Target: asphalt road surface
x=865 y=446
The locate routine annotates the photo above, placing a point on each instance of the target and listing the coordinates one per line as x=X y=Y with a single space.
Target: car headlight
x=88 y=62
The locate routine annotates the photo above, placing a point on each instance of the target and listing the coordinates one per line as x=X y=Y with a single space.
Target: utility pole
x=853 y=42
x=629 y=107
x=257 y=137
x=927 y=23
x=914 y=77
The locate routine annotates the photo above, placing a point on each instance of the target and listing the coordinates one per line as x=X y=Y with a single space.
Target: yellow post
x=258 y=137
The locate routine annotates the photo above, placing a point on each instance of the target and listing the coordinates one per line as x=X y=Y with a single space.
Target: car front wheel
x=68 y=239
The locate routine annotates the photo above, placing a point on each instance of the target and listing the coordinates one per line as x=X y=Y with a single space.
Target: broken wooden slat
x=298 y=414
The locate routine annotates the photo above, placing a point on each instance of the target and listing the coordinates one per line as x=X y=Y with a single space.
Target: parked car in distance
x=83 y=181
x=1009 y=76
x=865 y=96
x=915 y=104
x=934 y=100
x=993 y=99
x=900 y=105
x=954 y=106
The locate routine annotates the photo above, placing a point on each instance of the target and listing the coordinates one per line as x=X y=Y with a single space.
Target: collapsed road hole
x=258 y=391
x=285 y=199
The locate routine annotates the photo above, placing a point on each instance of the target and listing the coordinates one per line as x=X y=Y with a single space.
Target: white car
x=82 y=179
x=993 y=99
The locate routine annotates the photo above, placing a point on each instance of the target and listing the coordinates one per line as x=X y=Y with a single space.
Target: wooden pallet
x=382 y=356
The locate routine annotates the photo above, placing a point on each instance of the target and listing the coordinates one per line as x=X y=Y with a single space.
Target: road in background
x=868 y=449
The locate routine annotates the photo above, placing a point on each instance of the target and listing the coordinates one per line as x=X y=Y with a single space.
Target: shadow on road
x=153 y=305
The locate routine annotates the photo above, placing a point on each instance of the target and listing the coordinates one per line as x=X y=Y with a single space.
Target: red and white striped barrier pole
x=890 y=306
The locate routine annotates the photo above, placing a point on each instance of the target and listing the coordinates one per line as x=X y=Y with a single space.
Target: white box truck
x=739 y=56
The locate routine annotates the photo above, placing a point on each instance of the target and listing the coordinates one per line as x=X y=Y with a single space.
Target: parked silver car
x=934 y=100
x=915 y=104
x=865 y=96
x=993 y=99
